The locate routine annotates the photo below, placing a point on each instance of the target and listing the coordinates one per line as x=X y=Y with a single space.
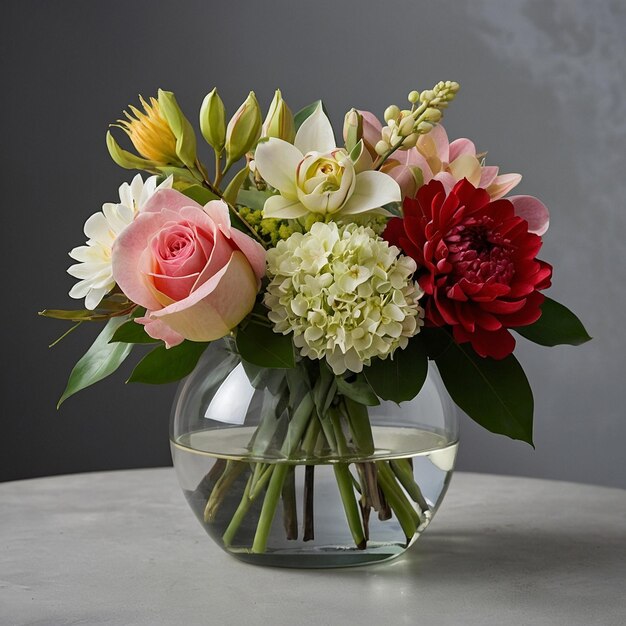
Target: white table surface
x=124 y=548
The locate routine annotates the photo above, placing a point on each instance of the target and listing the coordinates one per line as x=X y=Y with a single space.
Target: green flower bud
x=243 y=130
x=279 y=121
x=213 y=121
x=180 y=126
x=352 y=129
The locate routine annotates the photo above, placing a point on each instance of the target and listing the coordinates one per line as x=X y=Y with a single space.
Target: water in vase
x=310 y=527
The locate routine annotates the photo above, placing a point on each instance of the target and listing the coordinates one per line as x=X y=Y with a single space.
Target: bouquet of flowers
x=334 y=273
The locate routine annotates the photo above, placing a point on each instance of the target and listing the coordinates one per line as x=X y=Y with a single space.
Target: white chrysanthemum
x=101 y=229
x=344 y=293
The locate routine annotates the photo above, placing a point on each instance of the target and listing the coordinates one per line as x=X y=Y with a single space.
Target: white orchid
x=313 y=175
x=101 y=229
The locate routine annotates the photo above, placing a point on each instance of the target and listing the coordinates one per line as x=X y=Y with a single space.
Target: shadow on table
x=506 y=554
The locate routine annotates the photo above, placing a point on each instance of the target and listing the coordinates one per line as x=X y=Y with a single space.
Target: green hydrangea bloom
x=345 y=294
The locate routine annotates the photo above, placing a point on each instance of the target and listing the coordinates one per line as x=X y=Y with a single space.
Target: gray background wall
x=543 y=89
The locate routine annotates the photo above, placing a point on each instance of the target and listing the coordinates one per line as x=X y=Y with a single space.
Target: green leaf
x=401 y=378
x=253 y=199
x=556 y=326
x=260 y=345
x=132 y=332
x=102 y=359
x=358 y=390
x=164 y=365
x=110 y=306
x=394 y=208
x=307 y=111
x=231 y=192
x=495 y=394
x=200 y=194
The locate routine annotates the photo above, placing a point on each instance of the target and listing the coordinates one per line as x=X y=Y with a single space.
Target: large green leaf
x=164 y=365
x=495 y=394
x=358 y=390
x=102 y=359
x=401 y=378
x=307 y=111
x=200 y=194
x=230 y=193
x=132 y=332
x=556 y=326
x=260 y=345
x=253 y=198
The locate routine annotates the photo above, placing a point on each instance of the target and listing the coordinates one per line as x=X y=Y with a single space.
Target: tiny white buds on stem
x=391 y=113
x=381 y=147
x=414 y=97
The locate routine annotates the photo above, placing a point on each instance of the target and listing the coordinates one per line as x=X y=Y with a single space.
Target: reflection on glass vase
x=283 y=469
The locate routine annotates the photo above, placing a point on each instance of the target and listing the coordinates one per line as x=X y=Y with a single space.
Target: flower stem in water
x=268 y=510
x=344 y=482
x=290 y=512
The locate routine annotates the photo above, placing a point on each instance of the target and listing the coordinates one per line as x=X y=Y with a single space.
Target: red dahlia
x=476 y=264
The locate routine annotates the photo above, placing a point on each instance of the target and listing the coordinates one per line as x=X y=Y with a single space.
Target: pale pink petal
x=533 y=211
x=442 y=146
x=254 y=251
x=174 y=287
x=168 y=199
x=447 y=180
x=217 y=210
x=217 y=306
x=502 y=185
x=372 y=129
x=460 y=147
x=160 y=330
x=129 y=258
x=218 y=258
x=466 y=166
x=415 y=159
x=403 y=175
x=488 y=175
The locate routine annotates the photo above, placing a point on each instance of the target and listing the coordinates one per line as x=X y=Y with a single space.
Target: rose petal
x=533 y=211
x=315 y=134
x=215 y=307
x=158 y=329
x=254 y=251
x=128 y=258
x=168 y=199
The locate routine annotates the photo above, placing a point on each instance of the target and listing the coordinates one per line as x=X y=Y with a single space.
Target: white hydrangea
x=94 y=259
x=344 y=293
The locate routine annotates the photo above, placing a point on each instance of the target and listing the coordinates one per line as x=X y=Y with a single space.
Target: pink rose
x=196 y=276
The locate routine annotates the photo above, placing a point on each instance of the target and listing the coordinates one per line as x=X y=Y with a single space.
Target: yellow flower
x=150 y=133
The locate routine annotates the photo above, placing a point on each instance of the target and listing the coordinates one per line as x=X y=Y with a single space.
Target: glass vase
x=284 y=468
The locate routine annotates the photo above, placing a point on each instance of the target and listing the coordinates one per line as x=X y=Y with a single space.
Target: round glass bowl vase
x=283 y=471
